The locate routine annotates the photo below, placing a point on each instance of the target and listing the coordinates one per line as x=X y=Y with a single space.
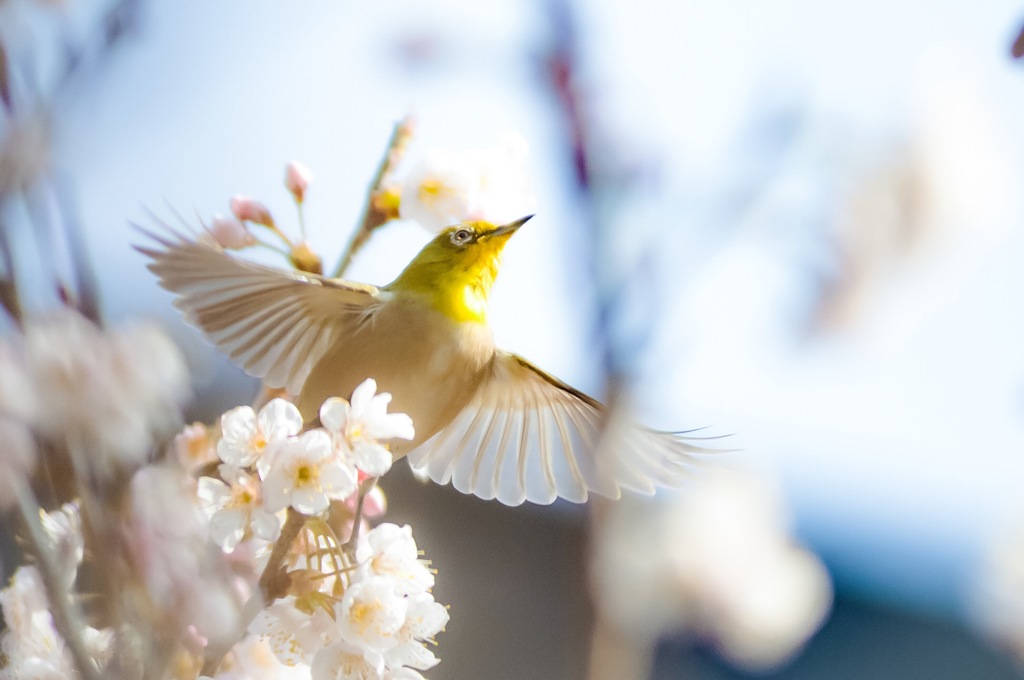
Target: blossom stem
x=357 y=519
x=372 y=216
x=65 y=616
x=273 y=581
x=302 y=220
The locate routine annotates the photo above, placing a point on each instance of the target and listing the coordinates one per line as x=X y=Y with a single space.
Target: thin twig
x=373 y=217
x=270 y=585
x=65 y=615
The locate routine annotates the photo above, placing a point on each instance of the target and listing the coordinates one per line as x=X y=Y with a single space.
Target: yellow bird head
x=455 y=271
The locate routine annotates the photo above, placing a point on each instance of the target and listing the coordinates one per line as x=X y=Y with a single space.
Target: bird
x=486 y=420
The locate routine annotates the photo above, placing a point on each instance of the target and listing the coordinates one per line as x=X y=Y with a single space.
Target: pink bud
x=250 y=210
x=374 y=503
x=230 y=233
x=296 y=178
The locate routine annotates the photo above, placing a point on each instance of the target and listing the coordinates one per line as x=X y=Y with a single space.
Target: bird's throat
x=460 y=292
x=463 y=296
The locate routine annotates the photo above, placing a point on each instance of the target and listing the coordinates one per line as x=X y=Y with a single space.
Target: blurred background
x=795 y=222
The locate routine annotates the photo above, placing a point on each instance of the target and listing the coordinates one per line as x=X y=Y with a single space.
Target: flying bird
x=486 y=420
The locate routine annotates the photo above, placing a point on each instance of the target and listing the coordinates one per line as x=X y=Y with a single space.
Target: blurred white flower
x=245 y=435
x=297 y=178
x=439 y=190
x=110 y=393
x=230 y=233
x=444 y=187
x=30 y=643
x=188 y=581
x=194 y=446
x=391 y=551
x=305 y=473
x=371 y=613
x=717 y=561
x=235 y=506
x=358 y=427
x=64 y=529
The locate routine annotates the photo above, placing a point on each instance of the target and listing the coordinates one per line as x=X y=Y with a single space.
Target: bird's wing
x=274 y=323
x=528 y=436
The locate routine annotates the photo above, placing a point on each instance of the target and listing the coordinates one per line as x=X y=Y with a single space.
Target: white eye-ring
x=461 y=237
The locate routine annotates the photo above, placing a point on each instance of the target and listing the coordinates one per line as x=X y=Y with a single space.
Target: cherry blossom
x=245 y=434
x=305 y=473
x=360 y=426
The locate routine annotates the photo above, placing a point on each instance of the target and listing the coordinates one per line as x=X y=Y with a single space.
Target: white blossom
x=30 y=643
x=253 y=659
x=194 y=446
x=305 y=473
x=245 y=434
x=342 y=661
x=718 y=562
x=235 y=506
x=391 y=551
x=401 y=674
x=360 y=426
x=424 y=619
x=439 y=190
x=108 y=393
x=371 y=613
x=184 y=576
x=294 y=635
x=64 y=529
x=445 y=187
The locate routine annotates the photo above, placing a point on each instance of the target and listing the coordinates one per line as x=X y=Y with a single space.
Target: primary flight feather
x=487 y=420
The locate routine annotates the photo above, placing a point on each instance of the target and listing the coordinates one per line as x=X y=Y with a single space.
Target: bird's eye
x=461 y=237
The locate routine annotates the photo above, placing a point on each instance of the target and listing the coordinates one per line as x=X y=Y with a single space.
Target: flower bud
x=231 y=233
x=297 y=178
x=250 y=210
x=304 y=259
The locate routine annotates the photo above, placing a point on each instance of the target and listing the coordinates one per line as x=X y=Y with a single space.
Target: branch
x=373 y=215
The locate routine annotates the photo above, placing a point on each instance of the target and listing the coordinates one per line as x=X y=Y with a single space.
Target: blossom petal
x=334 y=414
x=279 y=419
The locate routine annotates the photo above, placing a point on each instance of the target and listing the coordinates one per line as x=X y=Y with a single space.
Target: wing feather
x=526 y=435
x=274 y=323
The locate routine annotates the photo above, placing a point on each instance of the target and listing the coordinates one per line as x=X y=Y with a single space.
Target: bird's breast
x=430 y=364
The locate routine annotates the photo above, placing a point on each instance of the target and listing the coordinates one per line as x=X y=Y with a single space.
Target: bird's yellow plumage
x=486 y=420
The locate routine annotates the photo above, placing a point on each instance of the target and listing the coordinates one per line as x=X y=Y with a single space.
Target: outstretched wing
x=528 y=436
x=275 y=324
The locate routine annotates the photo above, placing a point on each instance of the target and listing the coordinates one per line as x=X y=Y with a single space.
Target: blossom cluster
x=195 y=549
x=718 y=562
x=268 y=464
x=30 y=644
x=375 y=628
x=113 y=393
x=436 y=189
x=444 y=187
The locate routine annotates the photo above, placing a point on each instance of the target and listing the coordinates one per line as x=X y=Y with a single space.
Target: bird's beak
x=511 y=226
